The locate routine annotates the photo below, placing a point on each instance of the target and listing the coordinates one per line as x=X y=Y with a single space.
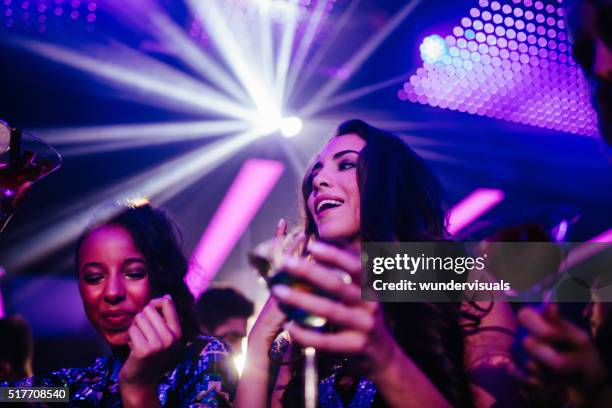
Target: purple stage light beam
x=603 y=237
x=472 y=207
x=590 y=248
x=242 y=201
x=2 y=313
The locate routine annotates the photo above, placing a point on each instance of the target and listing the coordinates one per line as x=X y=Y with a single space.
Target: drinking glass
x=24 y=159
x=266 y=258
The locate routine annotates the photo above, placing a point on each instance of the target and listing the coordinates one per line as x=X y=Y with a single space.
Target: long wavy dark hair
x=401 y=200
x=159 y=240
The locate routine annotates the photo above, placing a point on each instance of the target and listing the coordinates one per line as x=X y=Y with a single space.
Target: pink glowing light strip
x=2 y=313
x=240 y=204
x=472 y=207
x=587 y=250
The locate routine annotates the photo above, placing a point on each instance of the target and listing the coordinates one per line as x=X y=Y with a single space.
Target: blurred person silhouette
x=223 y=311
x=589 y=24
x=16 y=348
x=567 y=357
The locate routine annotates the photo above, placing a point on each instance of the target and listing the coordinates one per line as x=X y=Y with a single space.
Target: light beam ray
x=266 y=48
x=249 y=41
x=304 y=47
x=298 y=165
x=176 y=86
x=354 y=94
x=230 y=50
x=284 y=56
x=148 y=131
x=173 y=36
x=159 y=183
x=108 y=147
x=361 y=56
x=146 y=16
x=315 y=61
x=588 y=249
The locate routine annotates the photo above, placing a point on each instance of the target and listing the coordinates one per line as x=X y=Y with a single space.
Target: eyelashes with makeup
x=132 y=274
x=343 y=165
x=346 y=165
x=92 y=278
x=135 y=274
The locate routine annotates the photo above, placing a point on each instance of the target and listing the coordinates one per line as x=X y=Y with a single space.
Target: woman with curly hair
x=130 y=271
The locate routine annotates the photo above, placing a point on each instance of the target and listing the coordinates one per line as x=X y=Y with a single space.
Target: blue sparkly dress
x=363 y=397
x=364 y=393
x=205 y=377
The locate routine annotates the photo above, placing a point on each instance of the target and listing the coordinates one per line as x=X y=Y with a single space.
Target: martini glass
x=24 y=159
x=266 y=258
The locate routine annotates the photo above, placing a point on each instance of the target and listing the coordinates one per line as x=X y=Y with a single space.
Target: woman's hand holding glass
x=271 y=319
x=253 y=386
x=359 y=325
x=562 y=353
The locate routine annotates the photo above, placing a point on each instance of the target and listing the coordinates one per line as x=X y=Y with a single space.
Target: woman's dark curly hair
x=158 y=239
x=401 y=201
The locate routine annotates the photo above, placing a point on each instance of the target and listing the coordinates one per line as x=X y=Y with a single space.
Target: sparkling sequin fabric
x=204 y=378
x=329 y=397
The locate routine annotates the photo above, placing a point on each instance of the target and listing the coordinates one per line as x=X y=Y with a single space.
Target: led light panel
x=507 y=60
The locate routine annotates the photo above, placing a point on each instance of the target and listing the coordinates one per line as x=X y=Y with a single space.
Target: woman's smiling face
x=113 y=281
x=334 y=201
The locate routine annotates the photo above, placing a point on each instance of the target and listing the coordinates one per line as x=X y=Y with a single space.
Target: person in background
x=589 y=24
x=15 y=349
x=565 y=357
x=223 y=312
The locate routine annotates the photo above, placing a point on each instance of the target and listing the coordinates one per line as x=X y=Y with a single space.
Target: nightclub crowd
x=365 y=185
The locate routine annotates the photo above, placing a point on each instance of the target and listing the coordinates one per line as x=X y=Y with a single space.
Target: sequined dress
x=365 y=393
x=205 y=377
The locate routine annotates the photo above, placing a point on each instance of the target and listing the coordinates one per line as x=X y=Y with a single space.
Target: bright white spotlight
x=267 y=122
x=290 y=126
x=433 y=48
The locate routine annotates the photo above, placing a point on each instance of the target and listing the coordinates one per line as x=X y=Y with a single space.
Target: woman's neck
x=349 y=243
x=355 y=244
x=121 y=352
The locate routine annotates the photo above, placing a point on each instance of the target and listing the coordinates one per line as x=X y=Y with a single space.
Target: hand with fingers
x=271 y=319
x=360 y=328
x=252 y=389
x=154 y=338
x=562 y=353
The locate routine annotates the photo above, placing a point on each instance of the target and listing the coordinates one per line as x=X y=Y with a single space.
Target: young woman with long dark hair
x=366 y=185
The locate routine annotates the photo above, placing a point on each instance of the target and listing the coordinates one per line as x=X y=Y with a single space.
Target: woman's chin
x=336 y=234
x=117 y=339
x=329 y=235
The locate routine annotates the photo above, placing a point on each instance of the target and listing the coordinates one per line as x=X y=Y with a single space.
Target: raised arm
x=253 y=385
